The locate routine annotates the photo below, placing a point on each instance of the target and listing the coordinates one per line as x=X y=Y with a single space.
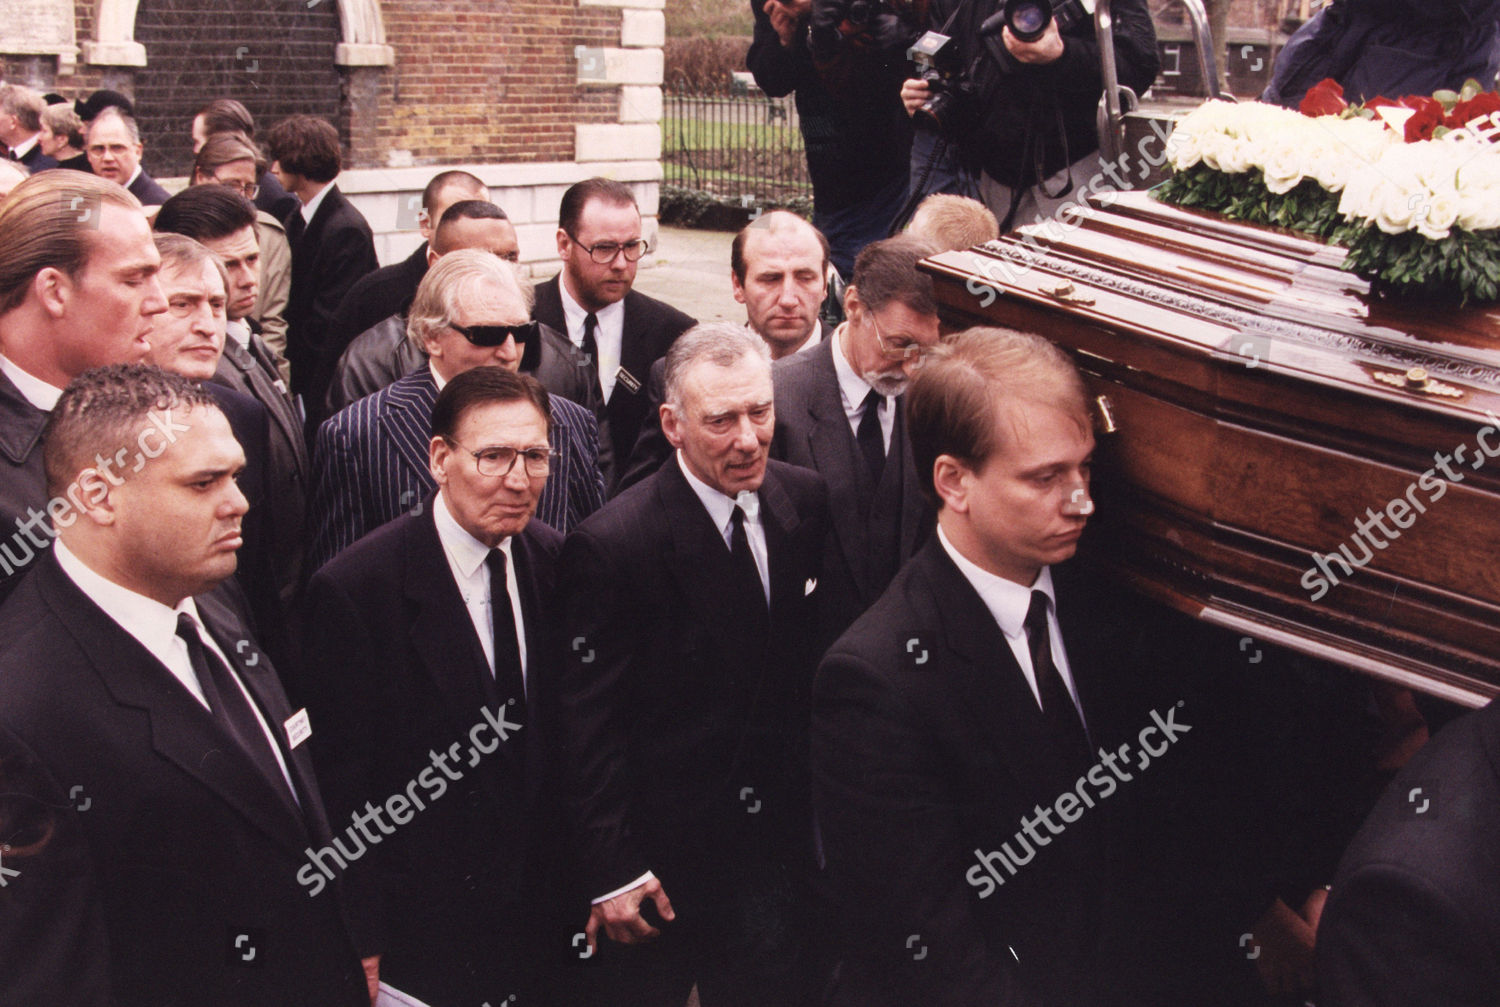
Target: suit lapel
x=780 y=521
x=916 y=516
x=831 y=445
x=21 y=423
x=635 y=350
x=408 y=413
x=700 y=558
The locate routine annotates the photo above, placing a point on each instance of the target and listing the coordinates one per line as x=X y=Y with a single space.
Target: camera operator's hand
x=1047 y=49
x=914 y=93
x=784 y=15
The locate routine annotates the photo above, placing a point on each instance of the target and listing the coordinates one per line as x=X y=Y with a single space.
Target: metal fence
x=743 y=147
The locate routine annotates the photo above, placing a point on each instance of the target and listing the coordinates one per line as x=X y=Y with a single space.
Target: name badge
x=624 y=377
x=298 y=729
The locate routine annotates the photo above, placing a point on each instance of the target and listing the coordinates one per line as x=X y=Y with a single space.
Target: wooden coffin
x=1264 y=400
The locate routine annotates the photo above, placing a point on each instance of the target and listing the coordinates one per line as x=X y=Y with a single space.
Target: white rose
x=1434 y=217
x=1283 y=167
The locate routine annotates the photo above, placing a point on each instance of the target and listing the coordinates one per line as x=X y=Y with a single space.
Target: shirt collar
x=465 y=551
x=133 y=176
x=720 y=507
x=575 y=313
x=239 y=331
x=437 y=378
x=853 y=387
x=311 y=206
x=38 y=392
x=146 y=619
x=23 y=148
x=1007 y=601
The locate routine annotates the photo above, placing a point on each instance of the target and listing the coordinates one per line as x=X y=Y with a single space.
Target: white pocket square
x=810 y=586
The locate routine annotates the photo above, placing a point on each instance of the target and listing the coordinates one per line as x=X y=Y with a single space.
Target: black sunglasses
x=496 y=335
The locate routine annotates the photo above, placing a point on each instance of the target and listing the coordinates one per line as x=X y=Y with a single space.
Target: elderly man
x=114 y=151
x=431 y=635
x=78 y=289
x=21 y=127
x=470 y=311
x=689 y=604
x=172 y=796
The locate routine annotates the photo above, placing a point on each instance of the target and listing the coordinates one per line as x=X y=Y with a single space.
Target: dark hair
x=220 y=149
x=886 y=271
x=305 y=145
x=776 y=220
x=206 y=213
x=443 y=180
x=105 y=409
x=225 y=115
x=480 y=386
x=464 y=209
x=579 y=195
x=88 y=108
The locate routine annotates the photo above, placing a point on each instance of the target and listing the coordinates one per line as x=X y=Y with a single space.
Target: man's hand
x=372 y=976
x=1047 y=49
x=621 y=916
x=914 y=94
x=784 y=15
x=1286 y=942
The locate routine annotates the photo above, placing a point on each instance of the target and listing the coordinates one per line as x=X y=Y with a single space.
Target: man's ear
x=950 y=479
x=93 y=497
x=563 y=241
x=432 y=255
x=671 y=424
x=737 y=286
x=439 y=454
x=53 y=289
x=851 y=300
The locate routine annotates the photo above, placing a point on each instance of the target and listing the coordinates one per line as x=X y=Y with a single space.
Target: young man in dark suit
x=689 y=617
x=431 y=634
x=470 y=311
x=84 y=295
x=623 y=332
x=839 y=411
x=180 y=794
x=951 y=718
x=332 y=247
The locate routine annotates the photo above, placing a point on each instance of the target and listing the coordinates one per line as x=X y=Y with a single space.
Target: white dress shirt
x=154 y=626
x=238 y=330
x=38 y=392
x=23 y=148
x=609 y=335
x=1008 y=602
x=853 y=389
x=466 y=556
x=133 y=176
x=721 y=511
x=311 y=206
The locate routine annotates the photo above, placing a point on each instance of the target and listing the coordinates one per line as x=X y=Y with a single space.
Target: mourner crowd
x=422 y=632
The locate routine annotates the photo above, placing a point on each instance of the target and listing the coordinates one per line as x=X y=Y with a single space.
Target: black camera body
x=1028 y=19
x=953 y=108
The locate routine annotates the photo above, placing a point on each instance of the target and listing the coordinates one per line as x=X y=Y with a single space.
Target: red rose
x=1465 y=112
x=1427 y=117
x=1324 y=98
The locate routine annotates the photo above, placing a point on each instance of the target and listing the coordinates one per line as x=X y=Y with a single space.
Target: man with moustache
x=688 y=610
x=78 y=289
x=176 y=796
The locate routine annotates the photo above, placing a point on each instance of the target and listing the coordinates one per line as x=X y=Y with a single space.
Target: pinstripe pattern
x=370 y=465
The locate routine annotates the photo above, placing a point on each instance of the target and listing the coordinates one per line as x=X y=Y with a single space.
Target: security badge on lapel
x=298 y=728
x=630 y=381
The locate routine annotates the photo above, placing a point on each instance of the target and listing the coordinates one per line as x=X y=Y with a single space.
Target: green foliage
x=692 y=208
x=1308 y=208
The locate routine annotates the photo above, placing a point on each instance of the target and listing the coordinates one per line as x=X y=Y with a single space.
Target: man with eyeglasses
x=622 y=331
x=371 y=458
x=839 y=411
x=426 y=638
x=114 y=151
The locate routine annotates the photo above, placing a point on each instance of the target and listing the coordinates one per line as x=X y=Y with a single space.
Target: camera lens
x=861 y=11
x=1027 y=19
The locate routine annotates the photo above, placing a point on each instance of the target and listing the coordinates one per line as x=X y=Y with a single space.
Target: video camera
x=1028 y=19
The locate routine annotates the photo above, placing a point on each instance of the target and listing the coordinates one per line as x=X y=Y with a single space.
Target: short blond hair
x=954 y=222
x=46 y=221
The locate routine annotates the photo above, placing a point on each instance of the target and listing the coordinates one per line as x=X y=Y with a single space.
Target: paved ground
x=691 y=273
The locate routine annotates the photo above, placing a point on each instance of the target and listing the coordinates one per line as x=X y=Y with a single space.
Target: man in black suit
x=1413 y=917
x=57 y=320
x=223 y=221
x=689 y=611
x=839 y=411
x=623 y=332
x=419 y=635
x=371 y=459
x=21 y=127
x=388 y=291
x=332 y=247
x=951 y=716
x=114 y=150
x=182 y=793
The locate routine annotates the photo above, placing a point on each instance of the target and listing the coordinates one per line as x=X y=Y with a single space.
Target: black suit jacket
x=927 y=746
x=36 y=161
x=23 y=488
x=379 y=295
x=1414 y=918
x=164 y=846
x=651 y=327
x=274 y=199
x=329 y=253
x=666 y=716
x=146 y=189
x=394 y=673
x=812 y=431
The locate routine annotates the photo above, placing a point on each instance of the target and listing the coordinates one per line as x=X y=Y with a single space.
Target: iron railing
x=740 y=147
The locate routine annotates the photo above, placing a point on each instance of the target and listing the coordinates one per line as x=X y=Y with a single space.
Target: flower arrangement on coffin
x=1410 y=187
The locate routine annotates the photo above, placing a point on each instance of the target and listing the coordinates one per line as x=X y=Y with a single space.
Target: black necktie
x=591 y=348
x=1064 y=726
x=745 y=569
x=508 y=683
x=228 y=705
x=871 y=443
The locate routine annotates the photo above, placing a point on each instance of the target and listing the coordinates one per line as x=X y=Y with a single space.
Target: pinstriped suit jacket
x=370 y=465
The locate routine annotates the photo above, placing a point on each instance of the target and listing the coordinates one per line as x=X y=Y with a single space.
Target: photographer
x=1016 y=126
x=857 y=138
